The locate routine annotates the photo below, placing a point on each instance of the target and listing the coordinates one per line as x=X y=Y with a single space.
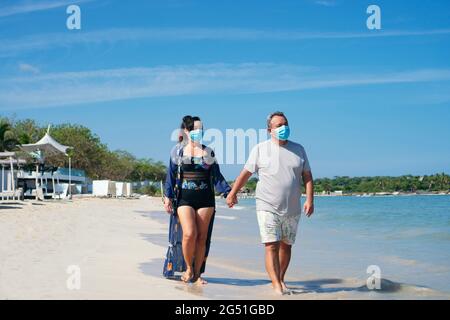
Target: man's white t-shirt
x=279 y=169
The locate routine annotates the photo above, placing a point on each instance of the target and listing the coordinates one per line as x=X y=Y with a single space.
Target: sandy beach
x=101 y=236
x=119 y=246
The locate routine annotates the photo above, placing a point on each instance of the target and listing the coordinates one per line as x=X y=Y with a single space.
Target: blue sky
x=362 y=102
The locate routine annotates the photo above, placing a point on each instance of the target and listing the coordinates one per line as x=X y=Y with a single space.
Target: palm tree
x=7 y=140
x=444 y=182
x=24 y=138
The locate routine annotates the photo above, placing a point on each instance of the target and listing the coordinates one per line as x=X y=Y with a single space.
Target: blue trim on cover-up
x=174 y=261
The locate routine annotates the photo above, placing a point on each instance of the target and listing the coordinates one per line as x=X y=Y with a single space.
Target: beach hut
x=46 y=146
x=119 y=189
x=104 y=188
x=8 y=178
x=128 y=189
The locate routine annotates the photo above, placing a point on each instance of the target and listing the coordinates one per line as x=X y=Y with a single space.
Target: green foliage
x=94 y=157
x=407 y=183
x=87 y=153
x=250 y=186
x=27 y=131
x=147 y=169
x=151 y=190
x=8 y=140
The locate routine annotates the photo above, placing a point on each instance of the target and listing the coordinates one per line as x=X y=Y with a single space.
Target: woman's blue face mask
x=282 y=133
x=196 y=135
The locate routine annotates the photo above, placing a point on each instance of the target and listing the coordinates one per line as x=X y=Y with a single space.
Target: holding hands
x=231 y=200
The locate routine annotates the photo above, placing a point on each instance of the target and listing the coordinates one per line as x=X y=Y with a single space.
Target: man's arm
x=237 y=185
x=308 y=207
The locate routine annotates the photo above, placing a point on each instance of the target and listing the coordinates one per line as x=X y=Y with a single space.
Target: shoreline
x=120 y=245
x=376 y=194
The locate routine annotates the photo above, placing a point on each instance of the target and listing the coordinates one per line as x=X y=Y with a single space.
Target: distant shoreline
x=383 y=194
x=364 y=195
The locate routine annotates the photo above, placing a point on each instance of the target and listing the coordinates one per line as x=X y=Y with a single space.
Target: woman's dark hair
x=188 y=124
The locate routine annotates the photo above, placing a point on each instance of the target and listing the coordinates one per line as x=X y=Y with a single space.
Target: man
x=281 y=166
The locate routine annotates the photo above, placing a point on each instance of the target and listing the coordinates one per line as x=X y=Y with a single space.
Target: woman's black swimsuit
x=196 y=187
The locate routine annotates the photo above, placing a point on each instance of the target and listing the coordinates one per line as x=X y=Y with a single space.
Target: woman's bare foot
x=199 y=280
x=281 y=290
x=278 y=289
x=278 y=292
x=284 y=287
x=187 y=276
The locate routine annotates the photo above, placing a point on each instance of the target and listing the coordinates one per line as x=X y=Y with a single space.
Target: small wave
x=226 y=217
x=221 y=206
x=401 y=261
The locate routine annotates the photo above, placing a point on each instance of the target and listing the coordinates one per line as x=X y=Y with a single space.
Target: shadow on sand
x=19 y=205
x=11 y=205
x=325 y=285
x=310 y=286
x=155 y=238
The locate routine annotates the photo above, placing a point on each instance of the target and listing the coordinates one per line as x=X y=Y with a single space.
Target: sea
x=379 y=247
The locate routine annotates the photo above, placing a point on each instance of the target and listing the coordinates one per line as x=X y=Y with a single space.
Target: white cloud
x=25 y=67
x=67 y=39
x=326 y=3
x=69 y=88
x=32 y=6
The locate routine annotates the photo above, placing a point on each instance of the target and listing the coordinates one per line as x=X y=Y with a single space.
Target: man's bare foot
x=187 y=276
x=284 y=287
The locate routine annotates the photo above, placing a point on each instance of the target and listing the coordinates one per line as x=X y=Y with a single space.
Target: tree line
x=89 y=153
x=358 y=185
x=407 y=183
x=94 y=157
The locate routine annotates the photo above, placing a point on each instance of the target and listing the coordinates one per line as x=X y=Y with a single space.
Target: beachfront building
x=52 y=182
x=17 y=182
x=45 y=181
x=108 y=188
x=330 y=193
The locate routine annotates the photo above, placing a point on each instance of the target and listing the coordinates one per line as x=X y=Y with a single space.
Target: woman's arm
x=221 y=185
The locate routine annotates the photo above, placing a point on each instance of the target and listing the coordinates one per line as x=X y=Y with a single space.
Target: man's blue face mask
x=282 y=133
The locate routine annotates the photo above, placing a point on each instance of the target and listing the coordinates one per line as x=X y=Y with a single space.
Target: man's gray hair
x=273 y=114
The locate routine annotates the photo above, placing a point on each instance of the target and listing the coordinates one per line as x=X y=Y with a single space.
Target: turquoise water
x=407 y=237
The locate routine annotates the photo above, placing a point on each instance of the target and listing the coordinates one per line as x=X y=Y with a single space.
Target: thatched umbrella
x=47 y=146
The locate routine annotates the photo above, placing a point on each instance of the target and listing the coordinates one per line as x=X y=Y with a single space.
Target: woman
x=193 y=177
